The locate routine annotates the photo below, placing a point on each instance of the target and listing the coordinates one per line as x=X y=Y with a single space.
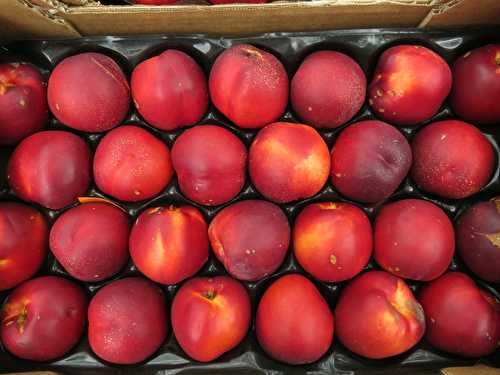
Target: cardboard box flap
x=244 y=19
x=464 y=12
x=22 y=19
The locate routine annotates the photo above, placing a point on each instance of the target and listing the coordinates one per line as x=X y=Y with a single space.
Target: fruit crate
x=363 y=45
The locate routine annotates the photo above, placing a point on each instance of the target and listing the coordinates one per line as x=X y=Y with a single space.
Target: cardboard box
x=63 y=19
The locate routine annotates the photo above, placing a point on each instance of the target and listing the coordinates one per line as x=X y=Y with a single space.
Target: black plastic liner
x=364 y=46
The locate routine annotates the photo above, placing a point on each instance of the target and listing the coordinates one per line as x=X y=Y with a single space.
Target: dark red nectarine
x=210 y=163
x=476 y=85
x=43 y=318
x=328 y=89
x=91 y=241
x=377 y=316
x=461 y=319
x=249 y=86
x=210 y=316
x=51 y=168
x=23 y=102
x=23 y=245
x=332 y=241
x=288 y=162
x=169 y=244
x=414 y=239
x=170 y=90
x=451 y=159
x=294 y=323
x=88 y=92
x=370 y=159
x=409 y=85
x=127 y=320
x=478 y=239
x=250 y=238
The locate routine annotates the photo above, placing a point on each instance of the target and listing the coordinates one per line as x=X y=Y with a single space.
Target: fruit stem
x=210 y=294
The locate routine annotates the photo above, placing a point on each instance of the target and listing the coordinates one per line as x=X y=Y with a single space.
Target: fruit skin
x=169 y=244
x=370 y=159
x=89 y=92
x=396 y=249
x=250 y=238
x=37 y=172
x=461 y=318
x=170 y=90
x=328 y=89
x=249 y=86
x=451 y=159
x=127 y=320
x=131 y=164
x=294 y=323
x=332 y=241
x=210 y=163
x=478 y=239
x=288 y=162
x=210 y=316
x=377 y=316
x=43 y=318
x=409 y=85
x=476 y=85
x=23 y=102
x=91 y=241
x=23 y=247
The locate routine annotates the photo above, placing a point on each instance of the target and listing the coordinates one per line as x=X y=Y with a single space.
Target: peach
x=478 y=239
x=461 y=319
x=127 y=320
x=294 y=324
x=169 y=244
x=23 y=247
x=377 y=316
x=409 y=85
x=451 y=159
x=476 y=85
x=250 y=238
x=328 y=89
x=370 y=159
x=288 y=162
x=89 y=92
x=332 y=241
x=170 y=90
x=91 y=241
x=43 y=318
x=249 y=86
x=23 y=102
x=210 y=163
x=396 y=249
x=51 y=168
x=210 y=316
x=131 y=164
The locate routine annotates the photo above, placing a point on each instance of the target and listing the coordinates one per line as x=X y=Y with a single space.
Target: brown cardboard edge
x=471 y=370
x=19 y=19
x=464 y=12
x=242 y=19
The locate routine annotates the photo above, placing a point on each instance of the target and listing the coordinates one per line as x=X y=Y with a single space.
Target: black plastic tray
x=364 y=46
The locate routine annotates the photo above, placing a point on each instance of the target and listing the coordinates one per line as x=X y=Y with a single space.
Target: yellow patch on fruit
x=333 y=259
x=99 y=200
x=4 y=262
x=328 y=206
x=494 y=238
